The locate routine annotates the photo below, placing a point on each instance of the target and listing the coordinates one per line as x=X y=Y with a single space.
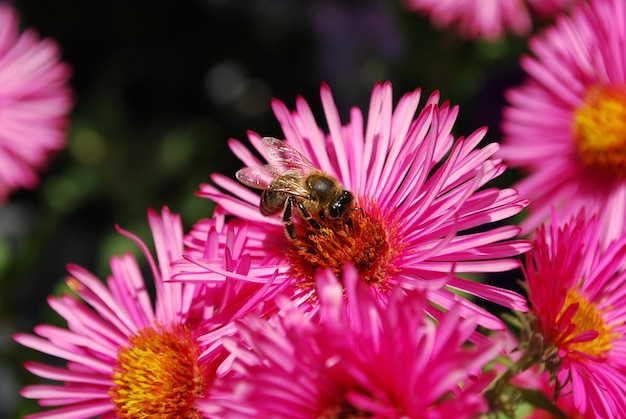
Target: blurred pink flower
x=126 y=359
x=576 y=291
x=488 y=19
x=362 y=358
x=538 y=379
x=422 y=208
x=34 y=102
x=565 y=126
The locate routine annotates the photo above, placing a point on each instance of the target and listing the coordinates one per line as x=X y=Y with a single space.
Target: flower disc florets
x=364 y=239
x=158 y=375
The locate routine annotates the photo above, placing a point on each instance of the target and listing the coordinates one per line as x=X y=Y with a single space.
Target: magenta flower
x=34 y=102
x=362 y=359
x=565 y=126
x=577 y=290
x=421 y=209
x=126 y=359
x=490 y=19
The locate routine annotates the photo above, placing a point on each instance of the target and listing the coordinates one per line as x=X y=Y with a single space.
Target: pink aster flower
x=420 y=210
x=126 y=358
x=576 y=290
x=490 y=19
x=34 y=102
x=565 y=126
x=216 y=253
x=362 y=359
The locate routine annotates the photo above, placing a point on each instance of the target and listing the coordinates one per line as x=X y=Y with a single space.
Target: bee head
x=342 y=205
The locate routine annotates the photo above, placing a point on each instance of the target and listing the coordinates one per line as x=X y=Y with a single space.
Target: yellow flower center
x=587 y=318
x=362 y=240
x=600 y=131
x=158 y=376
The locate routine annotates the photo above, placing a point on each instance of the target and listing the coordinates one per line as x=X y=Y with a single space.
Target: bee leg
x=291 y=229
x=307 y=215
x=348 y=223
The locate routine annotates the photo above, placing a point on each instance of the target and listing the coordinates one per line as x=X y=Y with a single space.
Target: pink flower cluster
x=255 y=310
x=344 y=273
x=564 y=131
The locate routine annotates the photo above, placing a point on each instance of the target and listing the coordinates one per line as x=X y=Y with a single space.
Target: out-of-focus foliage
x=161 y=85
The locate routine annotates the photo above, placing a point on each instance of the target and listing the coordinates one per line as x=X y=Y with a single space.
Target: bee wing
x=284 y=172
x=281 y=154
x=290 y=183
x=259 y=177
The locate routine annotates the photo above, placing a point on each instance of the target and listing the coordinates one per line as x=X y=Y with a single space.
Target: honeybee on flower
x=290 y=180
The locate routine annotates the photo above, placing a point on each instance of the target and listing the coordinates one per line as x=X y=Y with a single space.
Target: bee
x=289 y=181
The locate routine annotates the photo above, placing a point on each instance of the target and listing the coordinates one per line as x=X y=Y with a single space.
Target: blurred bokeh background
x=161 y=85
